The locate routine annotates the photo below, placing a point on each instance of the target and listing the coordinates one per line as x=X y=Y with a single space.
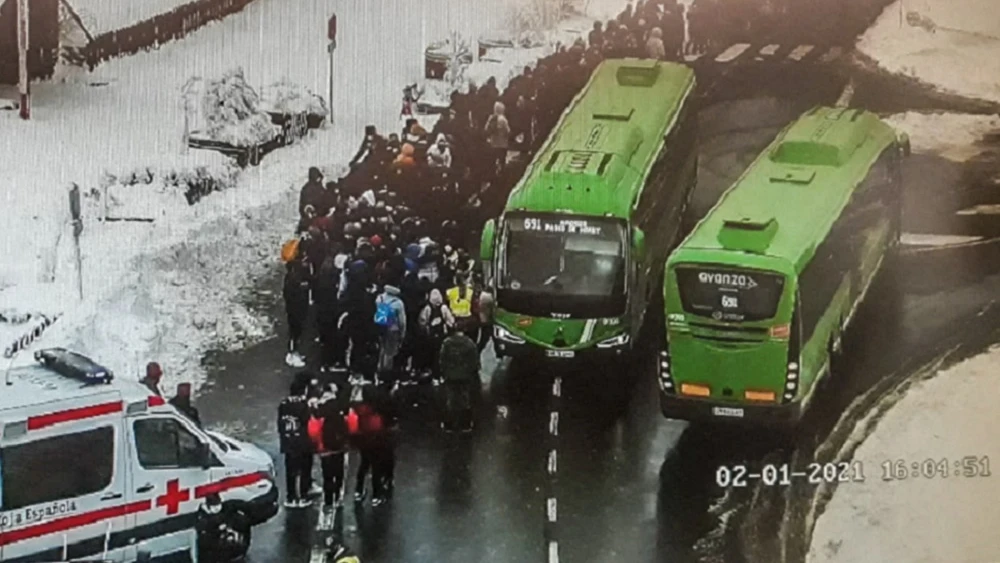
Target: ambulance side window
x=163 y=443
x=53 y=469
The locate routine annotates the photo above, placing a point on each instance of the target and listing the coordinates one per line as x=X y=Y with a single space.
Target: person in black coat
x=312 y=199
x=295 y=292
x=326 y=285
x=373 y=145
x=182 y=402
x=293 y=424
x=596 y=36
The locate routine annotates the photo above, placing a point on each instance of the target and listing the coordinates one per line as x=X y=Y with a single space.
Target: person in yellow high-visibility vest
x=462 y=302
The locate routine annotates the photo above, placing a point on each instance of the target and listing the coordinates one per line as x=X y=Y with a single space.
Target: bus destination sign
x=561 y=226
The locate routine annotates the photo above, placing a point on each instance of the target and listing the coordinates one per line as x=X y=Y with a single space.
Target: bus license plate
x=560 y=353
x=727 y=411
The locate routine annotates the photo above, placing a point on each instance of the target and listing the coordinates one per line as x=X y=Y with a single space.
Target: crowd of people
x=379 y=262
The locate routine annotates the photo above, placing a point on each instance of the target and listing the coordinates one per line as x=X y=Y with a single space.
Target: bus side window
x=819 y=282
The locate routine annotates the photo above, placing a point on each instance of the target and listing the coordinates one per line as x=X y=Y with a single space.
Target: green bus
x=568 y=259
x=757 y=297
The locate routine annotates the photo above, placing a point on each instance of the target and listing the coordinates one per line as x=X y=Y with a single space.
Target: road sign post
x=24 y=81
x=77 y=215
x=331 y=34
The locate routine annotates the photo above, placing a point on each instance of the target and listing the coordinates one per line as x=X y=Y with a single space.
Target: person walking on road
x=459 y=365
x=329 y=433
x=435 y=321
x=295 y=291
x=369 y=423
x=498 y=136
x=293 y=424
x=390 y=318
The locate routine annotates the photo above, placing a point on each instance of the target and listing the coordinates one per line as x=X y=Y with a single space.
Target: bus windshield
x=728 y=294
x=560 y=264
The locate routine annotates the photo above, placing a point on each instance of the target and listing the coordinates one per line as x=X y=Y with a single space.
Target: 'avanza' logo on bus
x=735 y=280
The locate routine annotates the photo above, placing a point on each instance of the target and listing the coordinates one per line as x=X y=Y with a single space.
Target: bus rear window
x=729 y=295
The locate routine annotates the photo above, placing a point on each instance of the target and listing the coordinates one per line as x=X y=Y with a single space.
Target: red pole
x=22 y=58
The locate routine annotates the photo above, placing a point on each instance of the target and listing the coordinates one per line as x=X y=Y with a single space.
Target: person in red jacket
x=329 y=433
x=372 y=437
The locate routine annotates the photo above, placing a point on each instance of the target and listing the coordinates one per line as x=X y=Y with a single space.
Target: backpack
x=436 y=327
x=385 y=314
x=290 y=250
x=336 y=430
x=315 y=429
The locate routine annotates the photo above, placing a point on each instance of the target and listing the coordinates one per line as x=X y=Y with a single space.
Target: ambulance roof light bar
x=74 y=366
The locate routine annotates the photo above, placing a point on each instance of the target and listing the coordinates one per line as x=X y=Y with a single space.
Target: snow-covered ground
x=951 y=44
x=948 y=416
x=166 y=290
x=919 y=519
x=101 y=16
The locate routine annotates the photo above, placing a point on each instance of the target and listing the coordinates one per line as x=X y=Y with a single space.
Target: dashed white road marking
x=986 y=209
x=832 y=55
x=732 y=52
x=917 y=239
x=554 y=552
x=693 y=57
x=800 y=52
x=769 y=50
x=846 y=96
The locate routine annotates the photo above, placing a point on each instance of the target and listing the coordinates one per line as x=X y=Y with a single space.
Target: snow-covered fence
x=29 y=337
x=165 y=27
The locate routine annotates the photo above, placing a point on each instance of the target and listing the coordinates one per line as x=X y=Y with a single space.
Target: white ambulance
x=93 y=467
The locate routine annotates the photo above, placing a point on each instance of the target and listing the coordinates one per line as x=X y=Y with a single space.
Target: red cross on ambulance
x=173 y=498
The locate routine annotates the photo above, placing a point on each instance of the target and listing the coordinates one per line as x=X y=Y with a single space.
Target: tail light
x=760 y=396
x=695 y=390
x=781 y=331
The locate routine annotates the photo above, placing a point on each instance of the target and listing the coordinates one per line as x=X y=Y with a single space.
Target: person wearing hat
x=312 y=199
x=372 y=145
x=223 y=531
x=182 y=402
x=439 y=156
x=152 y=380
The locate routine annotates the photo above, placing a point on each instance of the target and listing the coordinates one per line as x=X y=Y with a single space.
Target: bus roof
x=786 y=202
x=606 y=141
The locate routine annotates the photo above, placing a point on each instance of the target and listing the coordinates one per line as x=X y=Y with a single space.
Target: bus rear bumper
x=696 y=410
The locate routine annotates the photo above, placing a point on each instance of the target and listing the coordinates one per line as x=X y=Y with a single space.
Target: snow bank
x=108 y=15
x=950 y=135
x=951 y=44
x=917 y=519
x=168 y=290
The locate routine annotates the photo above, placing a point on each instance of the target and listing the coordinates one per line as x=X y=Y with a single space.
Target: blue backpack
x=385 y=314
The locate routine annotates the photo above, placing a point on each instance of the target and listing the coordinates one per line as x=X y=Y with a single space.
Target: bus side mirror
x=904 y=144
x=486 y=243
x=639 y=243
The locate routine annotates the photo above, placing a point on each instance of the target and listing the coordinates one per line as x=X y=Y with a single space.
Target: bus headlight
x=500 y=333
x=620 y=340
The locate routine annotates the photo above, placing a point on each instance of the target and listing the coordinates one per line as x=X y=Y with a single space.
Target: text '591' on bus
x=99 y=468
x=758 y=295
x=578 y=252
